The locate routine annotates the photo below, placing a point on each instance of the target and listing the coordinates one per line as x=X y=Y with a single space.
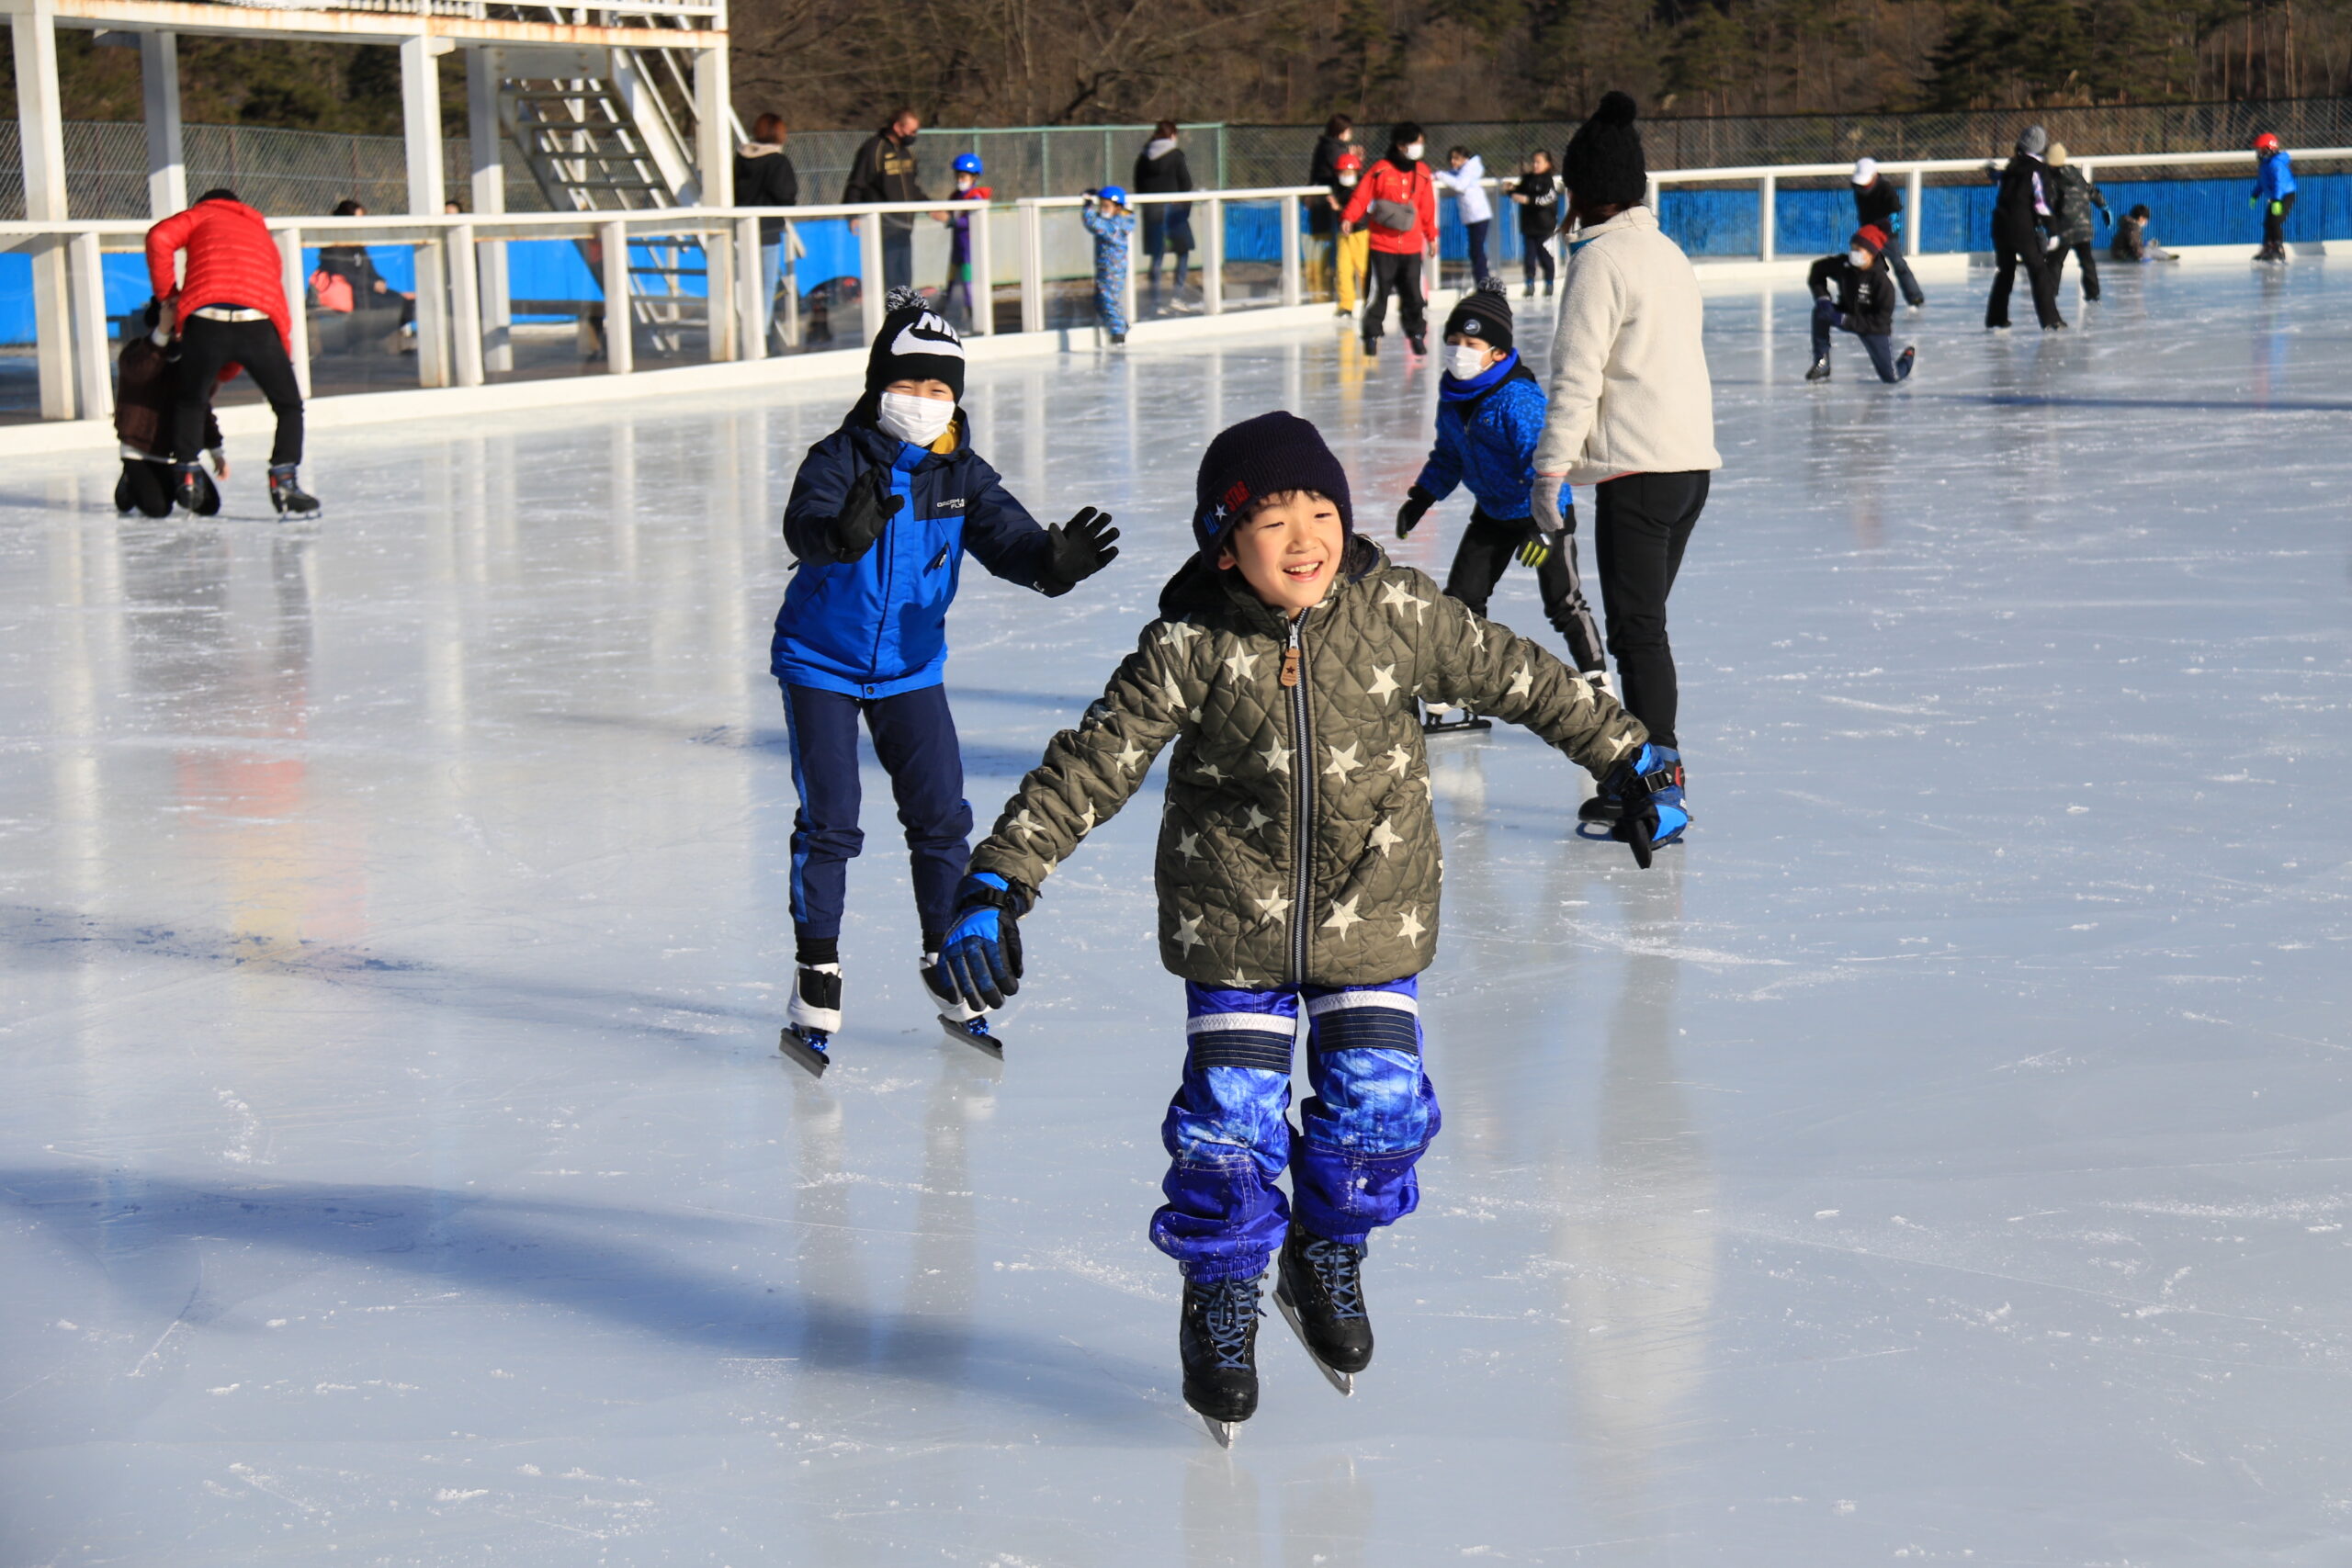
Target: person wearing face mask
x=969 y=188
x=1396 y=202
x=1350 y=249
x=1323 y=212
x=1161 y=170
x=1465 y=176
x=884 y=170
x=2024 y=208
x=883 y=510
x=1489 y=416
x=1865 y=306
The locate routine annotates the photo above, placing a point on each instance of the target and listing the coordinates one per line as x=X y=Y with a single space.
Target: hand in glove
x=1551 y=524
x=981 y=957
x=867 y=510
x=2057 y=242
x=1417 y=502
x=1650 y=784
x=1082 y=547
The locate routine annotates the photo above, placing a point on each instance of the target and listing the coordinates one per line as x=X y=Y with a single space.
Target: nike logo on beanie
x=927 y=334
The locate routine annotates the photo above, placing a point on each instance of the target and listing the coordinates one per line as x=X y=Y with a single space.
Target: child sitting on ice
x=1107 y=218
x=1297 y=874
x=1865 y=306
x=2135 y=242
x=1489 y=416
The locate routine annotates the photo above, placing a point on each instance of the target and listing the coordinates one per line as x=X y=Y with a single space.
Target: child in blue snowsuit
x=1107 y=219
x=1297 y=875
x=882 y=513
x=1489 y=416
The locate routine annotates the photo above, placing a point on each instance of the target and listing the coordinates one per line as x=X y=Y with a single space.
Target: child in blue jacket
x=1490 y=415
x=2274 y=193
x=881 y=513
x=1107 y=218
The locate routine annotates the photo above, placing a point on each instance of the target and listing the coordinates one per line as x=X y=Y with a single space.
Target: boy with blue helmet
x=968 y=187
x=882 y=512
x=1107 y=218
x=1489 y=416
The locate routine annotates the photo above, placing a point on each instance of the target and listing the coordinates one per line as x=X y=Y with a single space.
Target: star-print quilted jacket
x=1299 y=845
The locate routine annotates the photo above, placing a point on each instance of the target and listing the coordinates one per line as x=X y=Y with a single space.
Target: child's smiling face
x=1288 y=550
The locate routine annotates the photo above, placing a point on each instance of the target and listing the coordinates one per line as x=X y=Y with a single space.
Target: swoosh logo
x=928 y=334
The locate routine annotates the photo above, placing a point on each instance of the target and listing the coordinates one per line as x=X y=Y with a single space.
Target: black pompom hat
x=915 y=344
x=1485 y=315
x=1259 y=457
x=1604 y=166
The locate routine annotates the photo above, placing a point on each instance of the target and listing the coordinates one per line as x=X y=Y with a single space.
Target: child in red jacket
x=1396 y=203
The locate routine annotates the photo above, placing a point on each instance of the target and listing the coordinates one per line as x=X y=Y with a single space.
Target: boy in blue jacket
x=1490 y=415
x=881 y=513
x=2274 y=193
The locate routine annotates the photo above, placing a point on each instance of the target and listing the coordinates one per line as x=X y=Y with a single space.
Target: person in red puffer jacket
x=1396 y=202
x=230 y=310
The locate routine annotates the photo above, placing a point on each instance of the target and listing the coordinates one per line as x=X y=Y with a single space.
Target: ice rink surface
x=1942 y=1157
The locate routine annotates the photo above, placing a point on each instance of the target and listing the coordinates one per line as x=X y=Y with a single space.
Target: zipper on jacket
x=1302 y=834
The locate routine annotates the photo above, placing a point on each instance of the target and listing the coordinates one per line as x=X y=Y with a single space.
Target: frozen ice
x=1942 y=1157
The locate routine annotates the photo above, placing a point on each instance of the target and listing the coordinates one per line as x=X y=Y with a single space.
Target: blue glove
x=981 y=957
x=1650 y=784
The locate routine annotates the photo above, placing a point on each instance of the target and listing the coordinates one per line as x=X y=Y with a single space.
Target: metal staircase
x=611 y=142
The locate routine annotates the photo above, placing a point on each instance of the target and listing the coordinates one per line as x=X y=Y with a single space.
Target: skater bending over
x=1489 y=417
x=882 y=513
x=146 y=397
x=1864 y=305
x=1107 y=218
x=1297 y=876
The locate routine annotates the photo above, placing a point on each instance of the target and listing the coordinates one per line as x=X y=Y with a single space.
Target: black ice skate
x=1417 y=343
x=1217 y=1339
x=967 y=1024
x=1820 y=371
x=1904 y=361
x=1440 y=718
x=813 y=1018
x=1318 y=1288
x=1372 y=348
x=286 y=495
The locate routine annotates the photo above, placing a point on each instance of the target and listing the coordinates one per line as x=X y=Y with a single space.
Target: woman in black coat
x=2026 y=206
x=1161 y=170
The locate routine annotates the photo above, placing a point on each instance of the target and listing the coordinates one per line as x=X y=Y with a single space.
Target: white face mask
x=1861 y=259
x=1348 y=179
x=1413 y=151
x=918 y=420
x=1463 y=361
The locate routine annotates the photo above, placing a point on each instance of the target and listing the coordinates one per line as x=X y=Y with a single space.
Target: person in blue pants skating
x=1107 y=218
x=882 y=512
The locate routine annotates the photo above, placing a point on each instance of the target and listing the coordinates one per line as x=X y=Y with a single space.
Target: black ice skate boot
x=285 y=494
x=1319 y=1287
x=1217 y=1339
x=1820 y=371
x=1419 y=342
x=1904 y=361
x=814 y=1016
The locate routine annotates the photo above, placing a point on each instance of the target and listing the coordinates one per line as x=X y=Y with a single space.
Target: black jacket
x=884 y=170
x=1325 y=171
x=1161 y=176
x=2077 y=195
x=764 y=177
x=1865 y=296
x=1877 y=203
x=1539 y=215
x=2014 y=219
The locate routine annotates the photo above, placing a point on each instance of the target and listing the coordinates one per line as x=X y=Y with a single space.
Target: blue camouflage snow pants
x=1111 y=285
x=1229 y=1133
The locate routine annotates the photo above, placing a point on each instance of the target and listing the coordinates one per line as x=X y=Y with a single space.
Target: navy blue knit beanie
x=1259 y=457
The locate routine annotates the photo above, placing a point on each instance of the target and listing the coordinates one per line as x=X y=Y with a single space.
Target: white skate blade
x=1344 y=1382
x=1223 y=1431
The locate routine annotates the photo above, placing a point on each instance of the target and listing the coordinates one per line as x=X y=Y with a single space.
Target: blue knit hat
x=1259 y=457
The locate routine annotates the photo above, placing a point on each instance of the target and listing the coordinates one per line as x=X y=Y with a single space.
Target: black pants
x=1483 y=554
x=1641 y=526
x=914 y=738
x=151 y=487
x=1400 y=274
x=897 y=251
x=2009 y=252
x=1534 y=252
x=1475 y=233
x=2090 y=268
x=204 y=346
x=2273 y=226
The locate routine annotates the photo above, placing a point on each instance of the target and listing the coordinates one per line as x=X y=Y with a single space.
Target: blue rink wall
x=1713 y=222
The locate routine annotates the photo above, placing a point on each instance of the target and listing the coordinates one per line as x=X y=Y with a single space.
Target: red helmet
x=1349 y=161
x=2266 y=142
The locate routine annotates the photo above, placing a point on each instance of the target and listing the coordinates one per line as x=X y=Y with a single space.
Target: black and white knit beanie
x=915 y=344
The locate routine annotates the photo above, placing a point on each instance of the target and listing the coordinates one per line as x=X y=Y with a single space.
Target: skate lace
x=1337 y=1266
x=1228 y=1315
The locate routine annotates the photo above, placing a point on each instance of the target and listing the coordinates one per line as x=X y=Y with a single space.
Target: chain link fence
x=301 y=173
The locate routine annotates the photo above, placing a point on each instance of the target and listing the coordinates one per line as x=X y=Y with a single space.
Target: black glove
x=867 y=510
x=1082 y=547
x=1417 y=502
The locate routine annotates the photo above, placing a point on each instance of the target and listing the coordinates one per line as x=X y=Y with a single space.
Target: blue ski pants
x=1880 y=346
x=914 y=738
x=1229 y=1133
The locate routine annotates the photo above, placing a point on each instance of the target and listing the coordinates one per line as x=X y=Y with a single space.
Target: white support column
x=421 y=126
x=291 y=277
x=1213 y=259
x=714 y=147
x=787 y=277
x=93 y=383
x=750 y=313
x=487 y=185
x=1914 y=203
x=1768 y=217
x=1032 y=268
x=620 y=325
x=872 y=293
x=159 y=77
x=1292 y=292
x=41 y=122
x=983 y=269
x=722 y=260
x=465 y=307
x=432 y=369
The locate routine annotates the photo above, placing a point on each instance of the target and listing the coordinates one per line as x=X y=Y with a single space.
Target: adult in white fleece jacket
x=1632 y=411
